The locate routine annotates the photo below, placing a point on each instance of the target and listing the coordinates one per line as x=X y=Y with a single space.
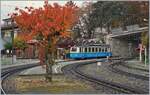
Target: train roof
x=95 y=45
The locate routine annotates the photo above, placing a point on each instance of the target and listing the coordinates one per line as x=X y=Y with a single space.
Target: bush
x=8 y=46
x=19 y=43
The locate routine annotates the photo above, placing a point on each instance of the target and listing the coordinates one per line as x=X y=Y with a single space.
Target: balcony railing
x=131 y=28
x=8 y=26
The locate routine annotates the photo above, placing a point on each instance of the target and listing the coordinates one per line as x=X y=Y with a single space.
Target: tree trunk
x=49 y=68
x=50 y=59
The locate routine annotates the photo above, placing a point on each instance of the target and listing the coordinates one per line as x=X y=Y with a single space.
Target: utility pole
x=145 y=55
x=12 y=35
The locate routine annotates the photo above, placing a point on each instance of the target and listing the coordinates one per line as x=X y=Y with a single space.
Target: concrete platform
x=56 y=68
x=35 y=70
x=42 y=70
x=20 y=62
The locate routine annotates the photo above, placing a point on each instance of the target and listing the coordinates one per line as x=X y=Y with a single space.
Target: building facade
x=9 y=31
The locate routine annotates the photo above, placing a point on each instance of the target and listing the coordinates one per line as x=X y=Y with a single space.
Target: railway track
x=116 y=70
x=74 y=70
x=5 y=73
x=130 y=67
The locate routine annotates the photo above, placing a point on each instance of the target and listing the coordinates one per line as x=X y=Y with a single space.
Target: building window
x=9 y=22
x=7 y=34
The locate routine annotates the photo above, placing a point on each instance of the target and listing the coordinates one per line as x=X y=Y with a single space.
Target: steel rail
x=12 y=70
x=74 y=70
x=127 y=66
x=116 y=70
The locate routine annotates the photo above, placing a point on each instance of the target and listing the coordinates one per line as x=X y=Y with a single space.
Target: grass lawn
x=59 y=85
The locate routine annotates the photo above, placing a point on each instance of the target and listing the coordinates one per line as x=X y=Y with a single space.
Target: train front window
x=74 y=49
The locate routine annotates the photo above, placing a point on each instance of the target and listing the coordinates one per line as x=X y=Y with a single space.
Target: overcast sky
x=9 y=6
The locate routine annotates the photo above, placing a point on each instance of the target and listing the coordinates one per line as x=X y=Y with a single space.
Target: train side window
x=92 y=49
x=99 y=49
x=80 y=49
x=89 y=49
x=85 y=49
x=105 y=49
x=96 y=49
x=102 y=49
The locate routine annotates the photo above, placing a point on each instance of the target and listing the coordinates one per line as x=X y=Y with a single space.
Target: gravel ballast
x=105 y=73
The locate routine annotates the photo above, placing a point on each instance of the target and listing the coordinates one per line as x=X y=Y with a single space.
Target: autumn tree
x=46 y=24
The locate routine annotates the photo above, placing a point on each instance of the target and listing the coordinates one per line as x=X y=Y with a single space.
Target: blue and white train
x=90 y=51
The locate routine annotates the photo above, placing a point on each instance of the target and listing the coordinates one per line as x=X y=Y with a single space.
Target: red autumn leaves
x=52 y=21
x=46 y=20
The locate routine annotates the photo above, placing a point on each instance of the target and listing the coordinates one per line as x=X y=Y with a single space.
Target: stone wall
x=122 y=47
